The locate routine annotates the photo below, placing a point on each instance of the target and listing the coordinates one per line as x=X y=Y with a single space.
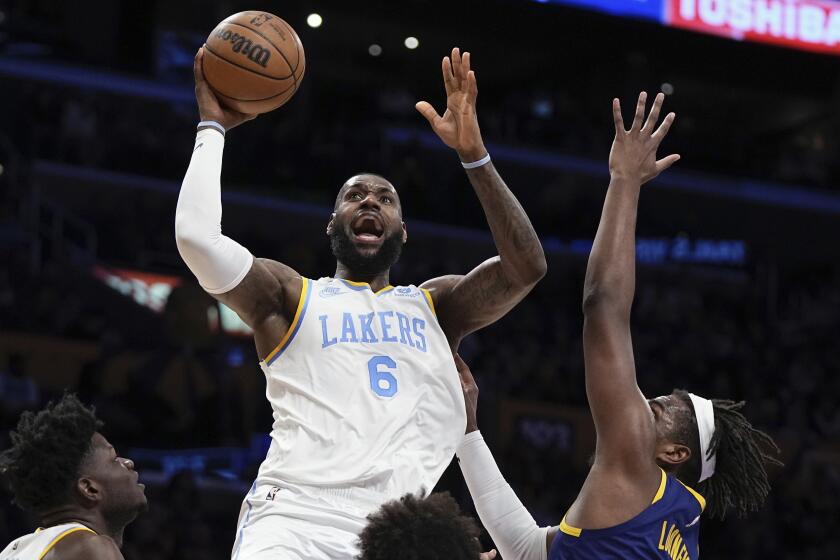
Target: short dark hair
x=411 y=528
x=740 y=480
x=48 y=448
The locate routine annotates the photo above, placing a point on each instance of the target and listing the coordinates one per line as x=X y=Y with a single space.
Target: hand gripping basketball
x=209 y=108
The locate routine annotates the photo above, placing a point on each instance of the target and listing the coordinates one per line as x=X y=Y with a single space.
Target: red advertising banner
x=812 y=25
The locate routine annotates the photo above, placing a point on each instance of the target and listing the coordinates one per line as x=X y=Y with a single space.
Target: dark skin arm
x=625 y=475
x=83 y=545
x=267 y=297
x=466 y=303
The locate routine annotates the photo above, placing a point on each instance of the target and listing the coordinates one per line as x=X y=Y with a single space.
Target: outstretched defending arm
x=262 y=292
x=621 y=413
x=510 y=525
x=467 y=303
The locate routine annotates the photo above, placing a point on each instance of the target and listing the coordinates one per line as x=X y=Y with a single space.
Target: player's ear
x=88 y=490
x=673 y=454
x=331 y=224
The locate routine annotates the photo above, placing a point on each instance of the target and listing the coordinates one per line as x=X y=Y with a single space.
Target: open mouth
x=368 y=228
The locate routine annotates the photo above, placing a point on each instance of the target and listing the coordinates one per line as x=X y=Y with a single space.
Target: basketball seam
x=239 y=98
x=289 y=64
x=253 y=100
x=214 y=53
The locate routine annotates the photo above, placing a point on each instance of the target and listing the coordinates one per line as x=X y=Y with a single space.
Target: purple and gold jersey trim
x=359 y=286
x=61 y=536
x=575 y=531
x=303 y=302
x=429 y=300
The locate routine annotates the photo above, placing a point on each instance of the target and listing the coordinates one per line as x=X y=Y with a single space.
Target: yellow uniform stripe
x=696 y=494
x=303 y=291
x=568 y=529
x=61 y=536
x=575 y=532
x=366 y=285
x=429 y=299
x=661 y=491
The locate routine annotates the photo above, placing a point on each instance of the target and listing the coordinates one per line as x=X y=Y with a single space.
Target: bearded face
x=366 y=232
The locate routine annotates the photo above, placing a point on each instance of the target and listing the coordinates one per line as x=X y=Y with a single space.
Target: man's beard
x=366 y=266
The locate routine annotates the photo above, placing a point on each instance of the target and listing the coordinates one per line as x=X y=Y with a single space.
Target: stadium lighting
x=412 y=42
x=667 y=88
x=374 y=50
x=314 y=20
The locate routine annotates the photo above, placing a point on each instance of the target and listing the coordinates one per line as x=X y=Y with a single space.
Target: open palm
x=458 y=126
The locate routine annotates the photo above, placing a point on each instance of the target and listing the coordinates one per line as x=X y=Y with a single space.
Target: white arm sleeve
x=510 y=525
x=219 y=263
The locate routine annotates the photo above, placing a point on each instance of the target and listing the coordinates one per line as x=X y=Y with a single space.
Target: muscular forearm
x=217 y=261
x=521 y=253
x=611 y=271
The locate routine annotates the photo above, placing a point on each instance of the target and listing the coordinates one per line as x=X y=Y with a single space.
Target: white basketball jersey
x=364 y=391
x=35 y=546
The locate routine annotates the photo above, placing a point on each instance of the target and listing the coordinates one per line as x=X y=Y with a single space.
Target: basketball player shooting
x=65 y=474
x=360 y=376
x=638 y=500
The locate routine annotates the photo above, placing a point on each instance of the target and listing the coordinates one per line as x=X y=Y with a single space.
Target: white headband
x=705 y=413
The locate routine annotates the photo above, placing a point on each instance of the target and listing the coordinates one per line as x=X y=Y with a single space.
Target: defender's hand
x=470 y=390
x=209 y=107
x=633 y=153
x=487 y=555
x=458 y=127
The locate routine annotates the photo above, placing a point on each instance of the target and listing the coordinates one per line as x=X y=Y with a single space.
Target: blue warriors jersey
x=668 y=529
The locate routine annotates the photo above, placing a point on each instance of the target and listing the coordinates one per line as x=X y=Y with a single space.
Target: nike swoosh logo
x=197 y=147
x=696 y=519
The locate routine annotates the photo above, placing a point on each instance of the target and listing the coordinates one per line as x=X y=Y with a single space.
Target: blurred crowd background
x=738 y=292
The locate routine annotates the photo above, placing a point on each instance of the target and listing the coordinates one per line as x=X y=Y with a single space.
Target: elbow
x=534 y=271
x=603 y=302
x=540 y=267
x=185 y=235
x=597 y=299
x=191 y=236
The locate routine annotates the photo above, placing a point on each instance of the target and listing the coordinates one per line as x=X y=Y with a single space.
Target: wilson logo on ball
x=242 y=45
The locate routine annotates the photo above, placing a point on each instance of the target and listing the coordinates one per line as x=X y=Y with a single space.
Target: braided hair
x=742 y=455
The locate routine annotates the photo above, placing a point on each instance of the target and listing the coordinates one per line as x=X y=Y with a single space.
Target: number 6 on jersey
x=382 y=382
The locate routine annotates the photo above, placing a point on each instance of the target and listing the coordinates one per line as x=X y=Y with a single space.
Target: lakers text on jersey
x=364 y=391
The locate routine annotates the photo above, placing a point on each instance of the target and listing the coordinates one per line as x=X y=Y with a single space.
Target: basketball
x=254 y=62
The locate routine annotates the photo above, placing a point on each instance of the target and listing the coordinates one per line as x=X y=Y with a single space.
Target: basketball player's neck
x=92 y=519
x=377 y=281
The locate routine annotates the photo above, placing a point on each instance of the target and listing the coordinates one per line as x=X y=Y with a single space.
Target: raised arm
x=467 y=303
x=264 y=293
x=623 y=421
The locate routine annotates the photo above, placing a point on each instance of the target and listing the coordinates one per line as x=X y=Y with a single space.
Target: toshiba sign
x=803 y=24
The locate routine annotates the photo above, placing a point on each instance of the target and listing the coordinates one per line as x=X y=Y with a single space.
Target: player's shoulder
x=85 y=545
x=441 y=283
x=276 y=268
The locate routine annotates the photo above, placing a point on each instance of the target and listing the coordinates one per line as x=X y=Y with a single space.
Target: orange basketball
x=254 y=62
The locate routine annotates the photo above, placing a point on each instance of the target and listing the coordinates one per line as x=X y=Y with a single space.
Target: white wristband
x=472 y=165
x=212 y=124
